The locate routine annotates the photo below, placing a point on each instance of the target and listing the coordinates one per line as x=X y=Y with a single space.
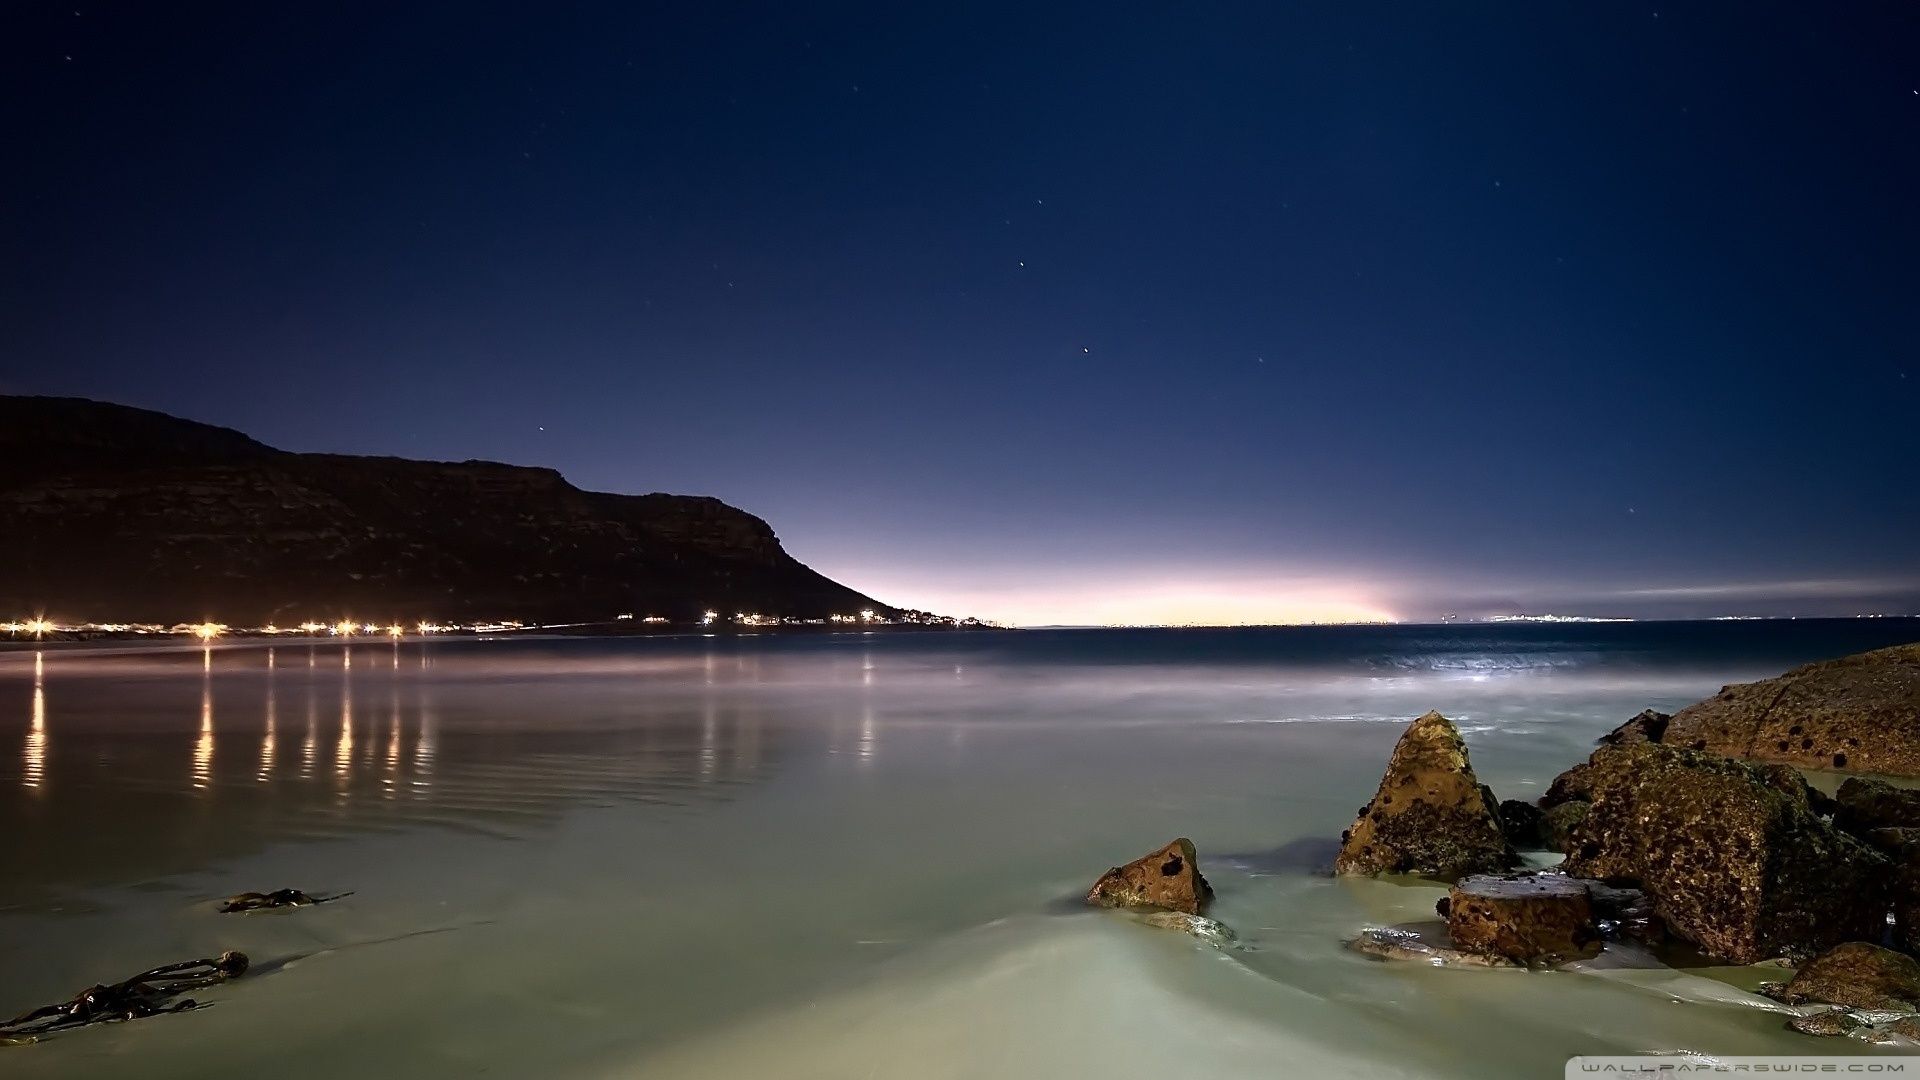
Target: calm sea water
x=830 y=856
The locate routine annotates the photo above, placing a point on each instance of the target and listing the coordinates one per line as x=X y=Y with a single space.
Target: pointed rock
x=1168 y=878
x=1430 y=815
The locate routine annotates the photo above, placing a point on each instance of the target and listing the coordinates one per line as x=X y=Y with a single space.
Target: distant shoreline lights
x=40 y=626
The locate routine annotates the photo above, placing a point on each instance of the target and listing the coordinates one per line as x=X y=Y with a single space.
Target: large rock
x=1430 y=815
x=1531 y=919
x=1731 y=862
x=1865 y=805
x=1859 y=712
x=1858 y=975
x=1168 y=878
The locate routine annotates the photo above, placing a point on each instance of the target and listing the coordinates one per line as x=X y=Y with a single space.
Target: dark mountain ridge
x=120 y=514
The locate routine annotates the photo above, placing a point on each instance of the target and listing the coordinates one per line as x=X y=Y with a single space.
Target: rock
x=1864 y=805
x=1168 y=878
x=1211 y=931
x=1858 y=975
x=1430 y=815
x=1557 y=824
x=1731 y=862
x=1649 y=726
x=1532 y=919
x=1835 y=1022
x=1908 y=1028
x=1523 y=824
x=1402 y=945
x=1859 y=712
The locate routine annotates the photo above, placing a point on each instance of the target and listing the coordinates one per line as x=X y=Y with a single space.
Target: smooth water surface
x=833 y=855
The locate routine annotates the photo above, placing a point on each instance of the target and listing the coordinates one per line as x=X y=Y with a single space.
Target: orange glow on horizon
x=1222 y=601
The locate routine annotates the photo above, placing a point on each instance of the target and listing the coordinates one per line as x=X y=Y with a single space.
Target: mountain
x=120 y=514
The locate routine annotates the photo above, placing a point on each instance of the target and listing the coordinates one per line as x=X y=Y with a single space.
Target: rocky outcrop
x=119 y=514
x=1649 y=726
x=1168 y=878
x=1532 y=919
x=1430 y=815
x=1864 y=805
x=1859 y=712
x=1731 y=862
x=1859 y=975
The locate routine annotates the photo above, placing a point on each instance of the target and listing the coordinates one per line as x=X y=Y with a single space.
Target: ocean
x=845 y=855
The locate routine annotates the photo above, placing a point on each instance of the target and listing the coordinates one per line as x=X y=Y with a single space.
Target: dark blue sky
x=1107 y=313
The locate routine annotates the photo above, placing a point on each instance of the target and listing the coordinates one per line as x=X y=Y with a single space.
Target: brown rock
x=1731 y=862
x=1835 y=1022
x=1532 y=919
x=1859 y=712
x=1864 y=805
x=1649 y=726
x=1168 y=878
x=1858 y=975
x=1430 y=815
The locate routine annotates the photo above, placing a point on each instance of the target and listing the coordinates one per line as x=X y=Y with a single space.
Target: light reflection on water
x=33 y=769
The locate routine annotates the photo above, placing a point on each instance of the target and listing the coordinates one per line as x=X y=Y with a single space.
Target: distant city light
x=208 y=630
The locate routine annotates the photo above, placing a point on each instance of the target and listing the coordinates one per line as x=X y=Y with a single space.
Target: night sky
x=1122 y=313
